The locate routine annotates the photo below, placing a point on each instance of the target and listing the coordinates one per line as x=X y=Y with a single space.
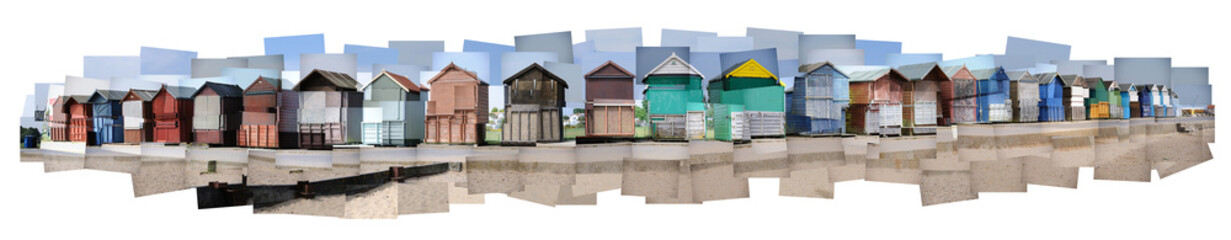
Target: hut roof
x=916 y=72
x=1072 y=80
x=872 y=75
x=536 y=66
x=340 y=80
x=224 y=90
x=446 y=74
x=1020 y=76
x=984 y=73
x=400 y=80
x=952 y=70
x=1111 y=85
x=107 y=95
x=179 y=92
x=674 y=65
x=1128 y=87
x=1094 y=81
x=1046 y=78
x=610 y=65
x=749 y=69
x=144 y=95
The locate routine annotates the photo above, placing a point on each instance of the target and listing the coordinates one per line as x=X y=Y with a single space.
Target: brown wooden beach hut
x=457 y=109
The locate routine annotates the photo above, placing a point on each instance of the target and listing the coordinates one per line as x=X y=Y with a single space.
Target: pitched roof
x=985 y=73
x=952 y=70
x=224 y=90
x=813 y=67
x=871 y=75
x=400 y=80
x=1020 y=76
x=1128 y=86
x=915 y=72
x=1071 y=80
x=748 y=68
x=178 y=92
x=1046 y=78
x=340 y=80
x=144 y=95
x=674 y=65
x=277 y=83
x=1092 y=81
x=1111 y=85
x=536 y=66
x=454 y=68
x=610 y=64
x=80 y=98
x=108 y=95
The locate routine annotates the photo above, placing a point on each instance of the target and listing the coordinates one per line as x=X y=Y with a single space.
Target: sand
x=158 y=175
x=810 y=183
x=762 y=158
x=423 y=197
x=650 y=178
x=998 y=176
x=493 y=174
x=325 y=206
x=939 y=187
x=599 y=167
x=378 y=203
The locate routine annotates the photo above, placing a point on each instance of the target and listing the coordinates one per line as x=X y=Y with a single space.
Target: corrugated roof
x=1020 y=76
x=915 y=72
x=951 y=70
x=532 y=66
x=400 y=80
x=180 y=92
x=145 y=95
x=868 y=75
x=1092 y=81
x=674 y=65
x=81 y=98
x=984 y=73
x=609 y=63
x=813 y=67
x=340 y=80
x=224 y=90
x=1069 y=80
x=109 y=95
x=1045 y=78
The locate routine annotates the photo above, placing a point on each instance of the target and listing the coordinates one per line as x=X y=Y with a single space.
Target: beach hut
x=107 y=113
x=920 y=106
x=1114 y=106
x=217 y=113
x=393 y=111
x=1162 y=101
x=609 y=102
x=876 y=102
x=457 y=113
x=1075 y=93
x=1023 y=96
x=754 y=91
x=330 y=106
x=993 y=91
x=958 y=100
x=1174 y=107
x=817 y=103
x=674 y=99
x=1051 y=97
x=138 y=115
x=173 y=114
x=270 y=116
x=1146 y=99
x=1098 y=104
x=533 y=98
x=59 y=119
x=80 y=122
x=1128 y=100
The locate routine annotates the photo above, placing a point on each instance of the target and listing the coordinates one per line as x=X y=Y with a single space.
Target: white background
x=42 y=41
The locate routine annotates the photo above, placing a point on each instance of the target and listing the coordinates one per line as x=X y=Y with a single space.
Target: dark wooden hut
x=270 y=116
x=216 y=113
x=609 y=102
x=173 y=114
x=533 y=98
x=330 y=109
x=457 y=112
